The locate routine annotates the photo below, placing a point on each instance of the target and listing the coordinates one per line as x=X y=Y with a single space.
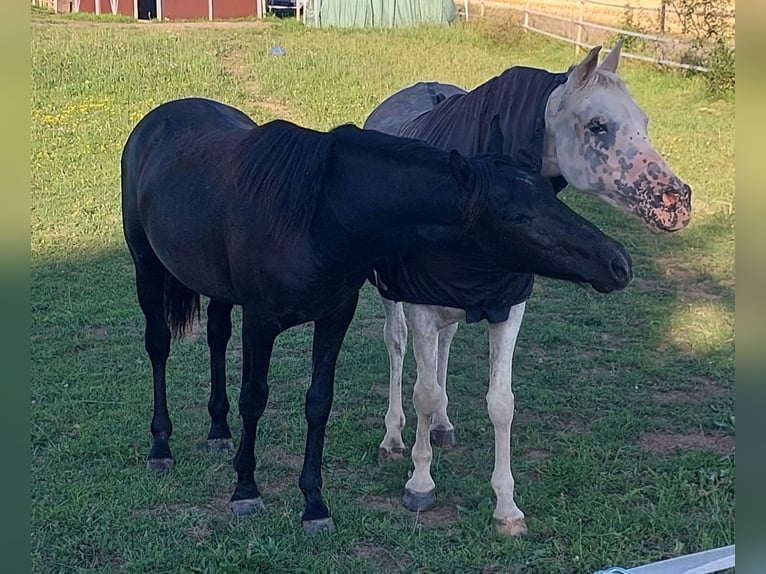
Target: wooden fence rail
x=579 y=23
x=50 y=4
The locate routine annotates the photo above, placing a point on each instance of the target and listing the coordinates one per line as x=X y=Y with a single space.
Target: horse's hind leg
x=150 y=284
x=395 y=337
x=420 y=489
x=509 y=519
x=218 y=335
x=442 y=431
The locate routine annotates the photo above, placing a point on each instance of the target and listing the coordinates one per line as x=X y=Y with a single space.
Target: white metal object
x=705 y=562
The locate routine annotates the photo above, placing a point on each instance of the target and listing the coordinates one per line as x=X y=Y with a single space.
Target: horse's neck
x=516 y=96
x=550 y=165
x=388 y=207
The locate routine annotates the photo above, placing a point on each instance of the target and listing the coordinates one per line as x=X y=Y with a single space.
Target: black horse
x=287 y=222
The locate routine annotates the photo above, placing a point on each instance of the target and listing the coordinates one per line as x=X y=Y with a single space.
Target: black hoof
x=247 y=507
x=385 y=455
x=159 y=465
x=220 y=444
x=418 y=501
x=443 y=438
x=319 y=526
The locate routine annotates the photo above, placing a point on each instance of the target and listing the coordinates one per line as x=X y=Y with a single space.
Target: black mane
x=411 y=151
x=280 y=166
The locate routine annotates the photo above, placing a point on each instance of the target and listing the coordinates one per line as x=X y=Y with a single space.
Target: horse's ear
x=495 y=140
x=460 y=170
x=584 y=70
x=613 y=58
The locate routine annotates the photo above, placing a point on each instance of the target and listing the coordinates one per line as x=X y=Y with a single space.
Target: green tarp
x=381 y=13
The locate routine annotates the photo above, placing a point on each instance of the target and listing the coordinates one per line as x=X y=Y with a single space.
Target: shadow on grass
x=594 y=376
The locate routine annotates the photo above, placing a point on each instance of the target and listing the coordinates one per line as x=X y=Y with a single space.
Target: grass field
x=623 y=443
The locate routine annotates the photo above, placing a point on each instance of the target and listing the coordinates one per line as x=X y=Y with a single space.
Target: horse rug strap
x=706 y=562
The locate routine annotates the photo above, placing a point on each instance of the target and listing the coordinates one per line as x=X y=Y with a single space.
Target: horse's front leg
x=257 y=344
x=442 y=431
x=395 y=337
x=218 y=335
x=328 y=338
x=509 y=519
x=420 y=490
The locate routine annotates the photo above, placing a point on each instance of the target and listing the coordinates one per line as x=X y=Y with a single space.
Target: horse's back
x=407 y=104
x=184 y=124
x=178 y=183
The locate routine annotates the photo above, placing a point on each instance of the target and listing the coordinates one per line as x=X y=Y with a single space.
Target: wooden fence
x=575 y=20
x=49 y=4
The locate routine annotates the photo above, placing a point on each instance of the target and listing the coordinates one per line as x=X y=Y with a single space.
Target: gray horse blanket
x=454 y=273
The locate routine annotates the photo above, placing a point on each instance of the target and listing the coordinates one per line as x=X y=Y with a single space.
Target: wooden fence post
x=526 y=17
x=663 y=6
x=580 y=27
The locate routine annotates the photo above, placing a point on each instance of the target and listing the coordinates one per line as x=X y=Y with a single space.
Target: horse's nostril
x=621 y=269
x=669 y=198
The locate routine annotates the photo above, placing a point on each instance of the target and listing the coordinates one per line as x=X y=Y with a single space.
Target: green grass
x=600 y=381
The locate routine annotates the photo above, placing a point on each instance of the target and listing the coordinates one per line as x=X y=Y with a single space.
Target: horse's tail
x=181 y=305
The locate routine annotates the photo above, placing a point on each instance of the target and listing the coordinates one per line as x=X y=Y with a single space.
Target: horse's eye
x=596 y=127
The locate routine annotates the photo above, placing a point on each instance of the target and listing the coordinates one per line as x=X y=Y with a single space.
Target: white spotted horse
x=287 y=222
x=581 y=128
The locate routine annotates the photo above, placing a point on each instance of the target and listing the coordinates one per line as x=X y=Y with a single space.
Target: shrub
x=709 y=24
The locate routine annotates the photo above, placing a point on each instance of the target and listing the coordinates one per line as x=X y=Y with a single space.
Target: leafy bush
x=709 y=24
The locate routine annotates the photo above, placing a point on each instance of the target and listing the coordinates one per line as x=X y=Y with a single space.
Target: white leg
x=419 y=492
x=395 y=336
x=442 y=431
x=509 y=519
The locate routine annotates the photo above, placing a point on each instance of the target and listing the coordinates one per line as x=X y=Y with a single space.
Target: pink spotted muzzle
x=667 y=206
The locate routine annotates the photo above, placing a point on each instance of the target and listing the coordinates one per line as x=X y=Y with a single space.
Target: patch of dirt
x=673 y=397
x=215 y=24
x=97 y=332
x=537 y=455
x=611 y=342
x=694 y=284
x=387 y=503
x=378 y=555
x=234 y=64
x=663 y=444
x=444 y=512
x=199 y=533
x=215 y=508
x=570 y=426
x=293 y=460
x=706 y=389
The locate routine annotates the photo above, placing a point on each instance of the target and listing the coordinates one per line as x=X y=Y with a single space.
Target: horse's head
x=515 y=217
x=596 y=135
